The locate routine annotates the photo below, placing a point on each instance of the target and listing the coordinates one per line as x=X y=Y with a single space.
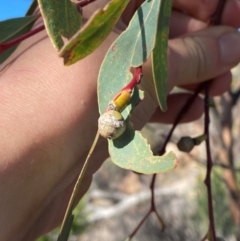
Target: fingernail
x=230 y=48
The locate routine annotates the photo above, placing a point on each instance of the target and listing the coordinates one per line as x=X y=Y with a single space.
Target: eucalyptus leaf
x=66 y=231
x=159 y=54
x=32 y=8
x=131 y=151
x=13 y=28
x=93 y=33
x=131 y=49
x=61 y=19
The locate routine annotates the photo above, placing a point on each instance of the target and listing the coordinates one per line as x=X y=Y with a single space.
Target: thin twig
x=215 y=20
x=153 y=205
x=161 y=151
x=139 y=225
x=179 y=117
x=209 y=163
x=11 y=43
x=235 y=96
x=84 y=3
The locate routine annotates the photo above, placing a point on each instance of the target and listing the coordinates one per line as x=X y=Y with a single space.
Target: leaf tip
x=162 y=102
x=163 y=108
x=66 y=57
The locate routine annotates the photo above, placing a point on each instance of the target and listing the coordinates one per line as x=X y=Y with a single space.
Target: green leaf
x=32 y=8
x=61 y=18
x=93 y=33
x=159 y=54
x=131 y=151
x=63 y=236
x=131 y=49
x=13 y=28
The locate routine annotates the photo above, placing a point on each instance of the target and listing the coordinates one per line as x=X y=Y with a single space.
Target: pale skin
x=49 y=112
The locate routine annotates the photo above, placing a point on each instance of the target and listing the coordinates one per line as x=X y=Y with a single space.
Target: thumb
x=202 y=55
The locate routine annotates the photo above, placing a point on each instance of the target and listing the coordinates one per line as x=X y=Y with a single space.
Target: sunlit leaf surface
x=131 y=49
x=93 y=33
x=61 y=18
x=159 y=55
x=11 y=29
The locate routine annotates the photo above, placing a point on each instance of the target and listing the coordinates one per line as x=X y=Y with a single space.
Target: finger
x=220 y=84
x=175 y=104
x=181 y=24
x=203 y=10
x=217 y=86
x=201 y=56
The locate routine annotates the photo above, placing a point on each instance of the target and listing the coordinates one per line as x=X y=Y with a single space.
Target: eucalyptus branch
x=151 y=209
x=139 y=225
x=235 y=96
x=215 y=20
x=7 y=45
x=153 y=204
x=179 y=117
x=11 y=43
x=84 y=3
x=209 y=164
x=161 y=151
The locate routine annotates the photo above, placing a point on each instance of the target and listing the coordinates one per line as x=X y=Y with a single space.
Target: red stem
x=84 y=3
x=134 y=81
x=11 y=43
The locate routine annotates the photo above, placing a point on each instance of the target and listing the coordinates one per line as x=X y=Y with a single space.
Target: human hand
x=49 y=114
x=195 y=54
